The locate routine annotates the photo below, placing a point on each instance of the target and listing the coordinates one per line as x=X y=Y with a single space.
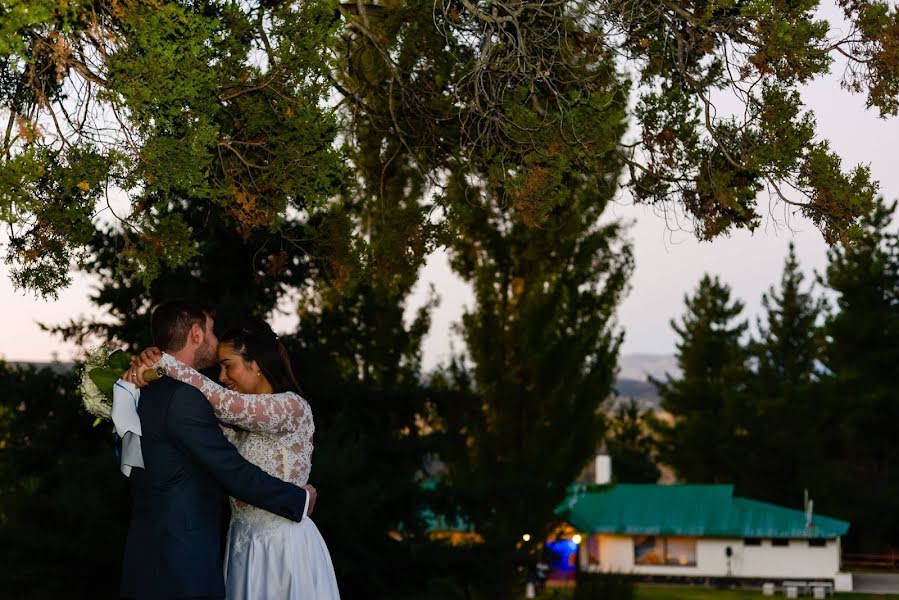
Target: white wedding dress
x=268 y=557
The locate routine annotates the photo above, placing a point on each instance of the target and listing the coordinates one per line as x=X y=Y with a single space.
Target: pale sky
x=668 y=264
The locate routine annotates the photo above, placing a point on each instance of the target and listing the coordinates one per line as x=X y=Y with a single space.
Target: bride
x=267 y=556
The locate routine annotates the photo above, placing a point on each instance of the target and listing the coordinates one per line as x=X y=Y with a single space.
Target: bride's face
x=238 y=374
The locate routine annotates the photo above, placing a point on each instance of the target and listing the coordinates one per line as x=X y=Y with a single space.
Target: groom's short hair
x=171 y=322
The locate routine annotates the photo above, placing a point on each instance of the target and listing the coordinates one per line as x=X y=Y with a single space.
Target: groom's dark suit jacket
x=174 y=539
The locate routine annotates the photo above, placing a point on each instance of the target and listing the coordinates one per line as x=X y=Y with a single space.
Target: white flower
x=93 y=399
x=95 y=402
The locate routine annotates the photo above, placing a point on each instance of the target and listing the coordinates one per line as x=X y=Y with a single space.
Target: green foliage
x=160 y=103
x=630 y=445
x=860 y=358
x=60 y=196
x=686 y=55
x=878 y=52
x=541 y=343
x=359 y=360
x=506 y=149
x=708 y=398
x=784 y=421
x=232 y=273
x=229 y=104
x=105 y=377
x=63 y=502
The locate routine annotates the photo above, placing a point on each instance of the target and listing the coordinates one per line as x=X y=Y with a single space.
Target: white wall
x=796 y=561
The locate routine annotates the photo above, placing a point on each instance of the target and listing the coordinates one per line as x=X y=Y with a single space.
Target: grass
x=666 y=592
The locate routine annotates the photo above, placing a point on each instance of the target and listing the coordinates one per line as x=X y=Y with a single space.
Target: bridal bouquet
x=102 y=368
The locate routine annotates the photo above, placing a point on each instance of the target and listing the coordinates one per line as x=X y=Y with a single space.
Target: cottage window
x=752 y=541
x=780 y=542
x=649 y=550
x=680 y=552
x=817 y=542
x=671 y=551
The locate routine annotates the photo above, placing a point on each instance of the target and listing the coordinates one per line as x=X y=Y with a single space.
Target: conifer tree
x=233 y=273
x=630 y=444
x=211 y=103
x=542 y=345
x=707 y=400
x=861 y=359
x=785 y=408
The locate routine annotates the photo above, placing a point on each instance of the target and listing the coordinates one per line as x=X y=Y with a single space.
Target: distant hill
x=59 y=367
x=640 y=366
x=634 y=371
x=632 y=381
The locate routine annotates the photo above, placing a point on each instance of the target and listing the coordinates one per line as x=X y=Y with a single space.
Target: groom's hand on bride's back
x=312 y=497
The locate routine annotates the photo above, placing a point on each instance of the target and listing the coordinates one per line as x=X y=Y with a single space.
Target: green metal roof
x=688 y=510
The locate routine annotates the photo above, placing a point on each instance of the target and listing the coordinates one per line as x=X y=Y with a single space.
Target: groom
x=174 y=540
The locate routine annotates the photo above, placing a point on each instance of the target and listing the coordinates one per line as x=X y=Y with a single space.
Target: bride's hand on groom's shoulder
x=149 y=357
x=145 y=361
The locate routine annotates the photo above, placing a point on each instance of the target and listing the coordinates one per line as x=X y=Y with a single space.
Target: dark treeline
x=802 y=401
x=806 y=401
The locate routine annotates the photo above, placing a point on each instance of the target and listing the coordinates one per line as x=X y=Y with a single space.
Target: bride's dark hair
x=253 y=339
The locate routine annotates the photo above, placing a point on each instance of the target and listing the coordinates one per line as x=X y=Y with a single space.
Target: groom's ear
x=196 y=334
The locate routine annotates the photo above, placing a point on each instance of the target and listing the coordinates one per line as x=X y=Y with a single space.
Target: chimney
x=809 y=508
x=603 y=469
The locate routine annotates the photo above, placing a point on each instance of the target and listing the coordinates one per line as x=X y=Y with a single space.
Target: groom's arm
x=192 y=423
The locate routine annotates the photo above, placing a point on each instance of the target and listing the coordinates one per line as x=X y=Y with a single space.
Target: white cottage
x=702 y=531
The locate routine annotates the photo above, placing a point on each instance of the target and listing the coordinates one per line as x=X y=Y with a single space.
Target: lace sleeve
x=235 y=436
x=268 y=413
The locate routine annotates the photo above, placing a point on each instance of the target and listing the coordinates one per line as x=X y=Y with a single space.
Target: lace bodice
x=277 y=431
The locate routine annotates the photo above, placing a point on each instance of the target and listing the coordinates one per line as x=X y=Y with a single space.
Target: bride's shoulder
x=304 y=405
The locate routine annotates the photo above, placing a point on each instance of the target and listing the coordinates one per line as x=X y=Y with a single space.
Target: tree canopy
x=122 y=107
x=158 y=103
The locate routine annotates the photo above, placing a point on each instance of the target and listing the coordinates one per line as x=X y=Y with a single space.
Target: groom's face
x=206 y=354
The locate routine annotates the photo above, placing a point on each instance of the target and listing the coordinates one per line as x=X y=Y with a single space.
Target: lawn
x=664 y=592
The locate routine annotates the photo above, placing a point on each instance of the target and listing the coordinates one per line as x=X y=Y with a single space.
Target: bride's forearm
x=270 y=413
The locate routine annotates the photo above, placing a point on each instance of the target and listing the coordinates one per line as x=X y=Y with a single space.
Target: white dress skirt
x=278 y=560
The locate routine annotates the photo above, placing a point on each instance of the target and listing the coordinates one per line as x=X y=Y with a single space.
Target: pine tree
x=707 y=400
x=862 y=359
x=786 y=446
x=542 y=345
x=789 y=345
x=630 y=444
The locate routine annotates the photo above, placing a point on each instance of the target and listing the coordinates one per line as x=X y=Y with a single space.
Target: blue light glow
x=562 y=554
